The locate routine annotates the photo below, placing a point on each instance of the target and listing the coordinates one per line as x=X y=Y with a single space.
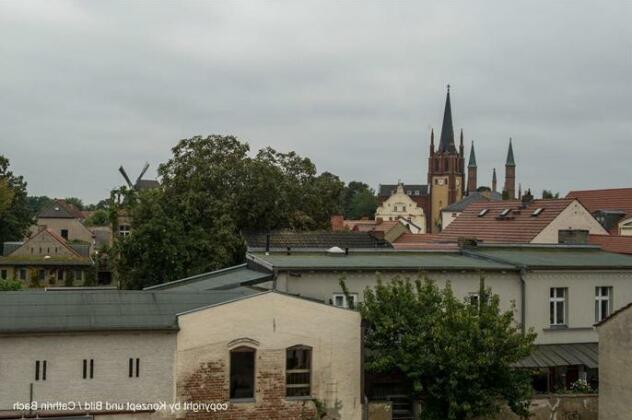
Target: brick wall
x=210 y=383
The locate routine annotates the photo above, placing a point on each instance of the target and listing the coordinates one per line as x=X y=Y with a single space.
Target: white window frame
x=345 y=304
x=124 y=232
x=556 y=300
x=603 y=299
x=474 y=295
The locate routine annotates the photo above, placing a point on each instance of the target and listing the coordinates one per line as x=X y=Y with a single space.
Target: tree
x=98 y=218
x=211 y=191
x=38 y=202
x=548 y=194
x=10 y=285
x=76 y=202
x=359 y=201
x=456 y=355
x=16 y=216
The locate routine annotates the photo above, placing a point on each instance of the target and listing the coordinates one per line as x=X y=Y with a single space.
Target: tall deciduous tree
x=16 y=215
x=456 y=355
x=211 y=191
x=358 y=201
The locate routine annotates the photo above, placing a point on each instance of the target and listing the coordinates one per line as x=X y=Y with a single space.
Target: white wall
x=64 y=354
x=574 y=217
x=581 y=302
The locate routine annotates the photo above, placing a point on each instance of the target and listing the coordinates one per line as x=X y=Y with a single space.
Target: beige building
x=66 y=221
x=46 y=259
x=615 y=367
x=530 y=222
x=558 y=291
x=401 y=206
x=250 y=354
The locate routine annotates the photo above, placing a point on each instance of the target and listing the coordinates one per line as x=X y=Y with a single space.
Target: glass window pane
x=560 y=312
x=242 y=373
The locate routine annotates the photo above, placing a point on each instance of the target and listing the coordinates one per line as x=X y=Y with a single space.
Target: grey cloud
x=355 y=86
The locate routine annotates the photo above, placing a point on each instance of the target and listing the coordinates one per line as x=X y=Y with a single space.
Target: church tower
x=471 y=172
x=510 y=174
x=445 y=169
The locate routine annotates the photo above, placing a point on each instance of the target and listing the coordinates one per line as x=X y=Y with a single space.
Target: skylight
x=505 y=212
x=483 y=212
x=537 y=212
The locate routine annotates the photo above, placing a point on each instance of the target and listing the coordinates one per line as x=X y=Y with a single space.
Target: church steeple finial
x=446 y=142
x=510 y=155
x=472 y=163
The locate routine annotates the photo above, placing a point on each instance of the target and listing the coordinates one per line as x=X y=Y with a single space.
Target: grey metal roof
x=554 y=257
x=551 y=355
x=9 y=247
x=314 y=240
x=228 y=278
x=59 y=209
x=102 y=310
x=386 y=190
x=372 y=261
x=473 y=197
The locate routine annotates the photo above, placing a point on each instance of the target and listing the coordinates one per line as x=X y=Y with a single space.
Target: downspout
x=523 y=300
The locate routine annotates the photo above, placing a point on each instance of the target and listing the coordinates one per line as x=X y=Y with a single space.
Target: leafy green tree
x=456 y=355
x=16 y=215
x=358 y=201
x=98 y=218
x=74 y=201
x=10 y=285
x=37 y=202
x=211 y=191
x=548 y=194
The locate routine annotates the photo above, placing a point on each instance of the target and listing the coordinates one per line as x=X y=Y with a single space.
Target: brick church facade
x=446 y=176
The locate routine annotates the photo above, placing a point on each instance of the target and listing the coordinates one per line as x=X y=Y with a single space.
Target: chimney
x=337 y=222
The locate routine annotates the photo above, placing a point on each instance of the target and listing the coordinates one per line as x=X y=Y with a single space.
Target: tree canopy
x=358 y=201
x=211 y=191
x=15 y=214
x=457 y=355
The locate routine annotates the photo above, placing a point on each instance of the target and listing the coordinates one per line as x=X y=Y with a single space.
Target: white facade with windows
x=400 y=205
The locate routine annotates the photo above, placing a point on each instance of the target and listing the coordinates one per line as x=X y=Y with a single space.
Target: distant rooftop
x=314 y=240
x=224 y=279
x=102 y=310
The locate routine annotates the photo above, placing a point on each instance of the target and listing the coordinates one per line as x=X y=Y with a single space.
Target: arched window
x=298 y=371
x=242 y=373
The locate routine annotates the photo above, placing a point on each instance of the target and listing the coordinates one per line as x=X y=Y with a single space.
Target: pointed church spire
x=494 y=181
x=510 y=155
x=472 y=163
x=446 y=142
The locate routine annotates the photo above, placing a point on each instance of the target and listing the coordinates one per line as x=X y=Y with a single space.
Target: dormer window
x=537 y=212
x=483 y=212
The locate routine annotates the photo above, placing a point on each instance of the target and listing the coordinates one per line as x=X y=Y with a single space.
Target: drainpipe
x=523 y=300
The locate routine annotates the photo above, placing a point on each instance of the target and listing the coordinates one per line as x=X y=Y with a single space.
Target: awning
x=551 y=355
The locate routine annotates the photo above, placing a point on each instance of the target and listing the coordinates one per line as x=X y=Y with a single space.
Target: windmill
x=140 y=183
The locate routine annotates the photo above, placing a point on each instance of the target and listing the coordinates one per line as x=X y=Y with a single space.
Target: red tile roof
x=417 y=238
x=520 y=226
x=617 y=244
x=424 y=241
x=611 y=199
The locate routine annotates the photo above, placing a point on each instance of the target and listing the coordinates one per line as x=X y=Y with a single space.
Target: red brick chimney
x=337 y=222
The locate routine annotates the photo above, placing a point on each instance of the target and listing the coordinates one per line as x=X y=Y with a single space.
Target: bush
x=10 y=285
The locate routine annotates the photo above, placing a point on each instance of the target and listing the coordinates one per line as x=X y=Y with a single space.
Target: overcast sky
x=355 y=86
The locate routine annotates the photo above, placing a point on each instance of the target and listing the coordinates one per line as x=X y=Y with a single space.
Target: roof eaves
x=195 y=277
